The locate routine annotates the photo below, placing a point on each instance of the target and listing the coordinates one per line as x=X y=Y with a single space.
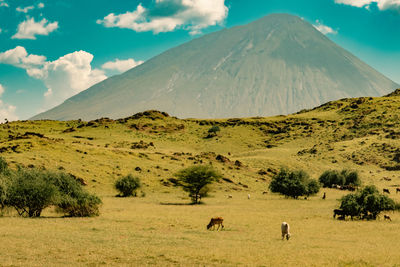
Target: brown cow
x=385 y=190
x=397 y=190
x=214 y=221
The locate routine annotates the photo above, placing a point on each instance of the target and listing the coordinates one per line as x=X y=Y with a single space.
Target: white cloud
x=67 y=76
x=323 y=28
x=64 y=77
x=19 y=57
x=382 y=4
x=6 y=111
x=168 y=15
x=121 y=65
x=29 y=28
x=25 y=9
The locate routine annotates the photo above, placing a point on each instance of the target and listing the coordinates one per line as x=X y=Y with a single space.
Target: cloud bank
x=66 y=76
x=169 y=15
x=121 y=65
x=381 y=4
x=6 y=111
x=29 y=28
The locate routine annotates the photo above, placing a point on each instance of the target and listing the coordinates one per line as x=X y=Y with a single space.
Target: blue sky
x=53 y=49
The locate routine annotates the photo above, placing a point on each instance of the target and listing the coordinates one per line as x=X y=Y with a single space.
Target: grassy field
x=160 y=229
x=141 y=231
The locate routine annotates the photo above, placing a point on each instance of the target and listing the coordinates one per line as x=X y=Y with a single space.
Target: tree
x=213 y=131
x=127 y=185
x=344 y=177
x=366 y=204
x=293 y=184
x=30 y=192
x=195 y=180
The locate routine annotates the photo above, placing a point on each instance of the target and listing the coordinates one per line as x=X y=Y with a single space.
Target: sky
x=51 y=50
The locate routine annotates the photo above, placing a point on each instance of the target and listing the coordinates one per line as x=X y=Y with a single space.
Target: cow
x=285 y=228
x=385 y=190
x=230 y=196
x=339 y=212
x=248 y=196
x=214 y=221
x=387 y=217
x=265 y=192
x=397 y=190
x=324 y=196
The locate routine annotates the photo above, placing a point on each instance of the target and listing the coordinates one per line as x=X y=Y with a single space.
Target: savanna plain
x=160 y=227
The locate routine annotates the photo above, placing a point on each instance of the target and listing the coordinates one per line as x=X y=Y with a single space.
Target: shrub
x=213 y=131
x=127 y=185
x=195 y=180
x=74 y=201
x=334 y=177
x=30 y=192
x=293 y=184
x=4 y=167
x=82 y=205
x=366 y=204
x=351 y=177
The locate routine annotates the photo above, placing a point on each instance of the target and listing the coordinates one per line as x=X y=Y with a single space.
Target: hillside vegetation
x=361 y=134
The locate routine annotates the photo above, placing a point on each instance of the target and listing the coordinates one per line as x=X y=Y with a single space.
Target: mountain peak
x=278 y=64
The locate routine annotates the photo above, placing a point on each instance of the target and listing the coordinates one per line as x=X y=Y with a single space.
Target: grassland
x=361 y=134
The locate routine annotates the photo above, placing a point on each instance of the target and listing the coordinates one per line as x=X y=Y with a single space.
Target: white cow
x=285 y=230
x=248 y=196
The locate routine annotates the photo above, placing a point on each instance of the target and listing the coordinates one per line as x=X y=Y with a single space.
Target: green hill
x=356 y=133
x=279 y=64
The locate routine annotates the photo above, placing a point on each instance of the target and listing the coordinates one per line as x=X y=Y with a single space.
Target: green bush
x=82 y=205
x=351 y=178
x=334 y=177
x=30 y=192
x=74 y=201
x=195 y=180
x=4 y=167
x=293 y=184
x=127 y=185
x=366 y=204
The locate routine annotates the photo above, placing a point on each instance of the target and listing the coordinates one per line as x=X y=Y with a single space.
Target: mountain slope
x=276 y=65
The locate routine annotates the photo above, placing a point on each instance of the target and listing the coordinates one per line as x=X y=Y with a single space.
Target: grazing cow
x=324 y=196
x=214 y=221
x=385 y=190
x=387 y=217
x=285 y=228
x=339 y=212
x=265 y=192
x=397 y=190
x=248 y=196
x=230 y=196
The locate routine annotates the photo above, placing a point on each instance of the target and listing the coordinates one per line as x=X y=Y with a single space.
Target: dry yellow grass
x=141 y=231
x=357 y=134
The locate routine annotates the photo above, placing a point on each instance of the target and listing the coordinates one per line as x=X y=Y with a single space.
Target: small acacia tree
x=294 y=184
x=195 y=180
x=127 y=185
